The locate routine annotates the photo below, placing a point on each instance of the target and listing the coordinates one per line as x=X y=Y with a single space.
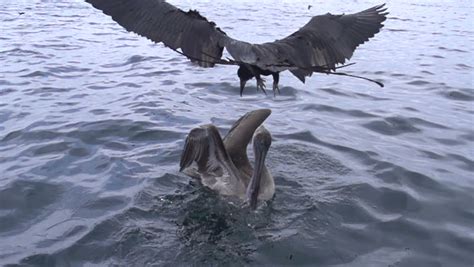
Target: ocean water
x=93 y=120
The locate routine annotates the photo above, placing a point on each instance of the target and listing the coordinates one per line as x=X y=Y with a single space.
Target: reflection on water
x=93 y=119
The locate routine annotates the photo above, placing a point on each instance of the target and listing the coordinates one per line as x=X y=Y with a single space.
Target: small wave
x=67 y=69
x=155 y=73
x=296 y=160
x=45 y=74
x=154 y=135
x=452 y=49
x=463 y=66
x=401 y=19
x=51 y=148
x=449 y=142
x=20 y=52
x=459 y=94
x=36 y=74
x=465 y=163
x=27 y=202
x=422 y=184
x=331 y=109
x=392 y=126
x=131 y=60
x=60 y=47
x=334 y=92
x=4 y=92
x=43 y=90
x=397 y=30
x=418 y=82
x=467 y=137
x=27 y=134
x=95 y=208
x=306 y=136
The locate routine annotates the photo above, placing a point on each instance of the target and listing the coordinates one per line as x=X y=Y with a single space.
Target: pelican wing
x=324 y=42
x=241 y=133
x=160 y=21
x=204 y=155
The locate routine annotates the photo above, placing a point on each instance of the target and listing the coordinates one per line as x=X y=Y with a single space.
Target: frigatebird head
x=262 y=141
x=244 y=75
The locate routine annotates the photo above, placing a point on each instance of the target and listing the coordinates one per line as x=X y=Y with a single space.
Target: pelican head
x=262 y=141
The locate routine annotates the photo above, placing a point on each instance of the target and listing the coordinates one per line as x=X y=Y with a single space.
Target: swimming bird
x=223 y=165
x=318 y=47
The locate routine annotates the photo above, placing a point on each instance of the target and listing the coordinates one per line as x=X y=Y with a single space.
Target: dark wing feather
x=160 y=21
x=205 y=148
x=324 y=42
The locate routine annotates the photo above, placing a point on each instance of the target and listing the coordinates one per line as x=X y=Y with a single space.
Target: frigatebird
x=223 y=165
x=319 y=46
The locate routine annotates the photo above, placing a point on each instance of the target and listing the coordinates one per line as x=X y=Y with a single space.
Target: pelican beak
x=254 y=186
x=242 y=86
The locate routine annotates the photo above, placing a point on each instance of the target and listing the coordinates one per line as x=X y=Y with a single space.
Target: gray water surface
x=93 y=120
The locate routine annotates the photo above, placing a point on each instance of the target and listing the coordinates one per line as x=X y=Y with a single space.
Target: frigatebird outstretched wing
x=325 y=41
x=199 y=39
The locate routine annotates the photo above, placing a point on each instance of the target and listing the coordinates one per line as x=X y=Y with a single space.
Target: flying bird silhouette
x=318 y=47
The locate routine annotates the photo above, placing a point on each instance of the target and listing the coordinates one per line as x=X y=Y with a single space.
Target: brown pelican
x=319 y=46
x=223 y=165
